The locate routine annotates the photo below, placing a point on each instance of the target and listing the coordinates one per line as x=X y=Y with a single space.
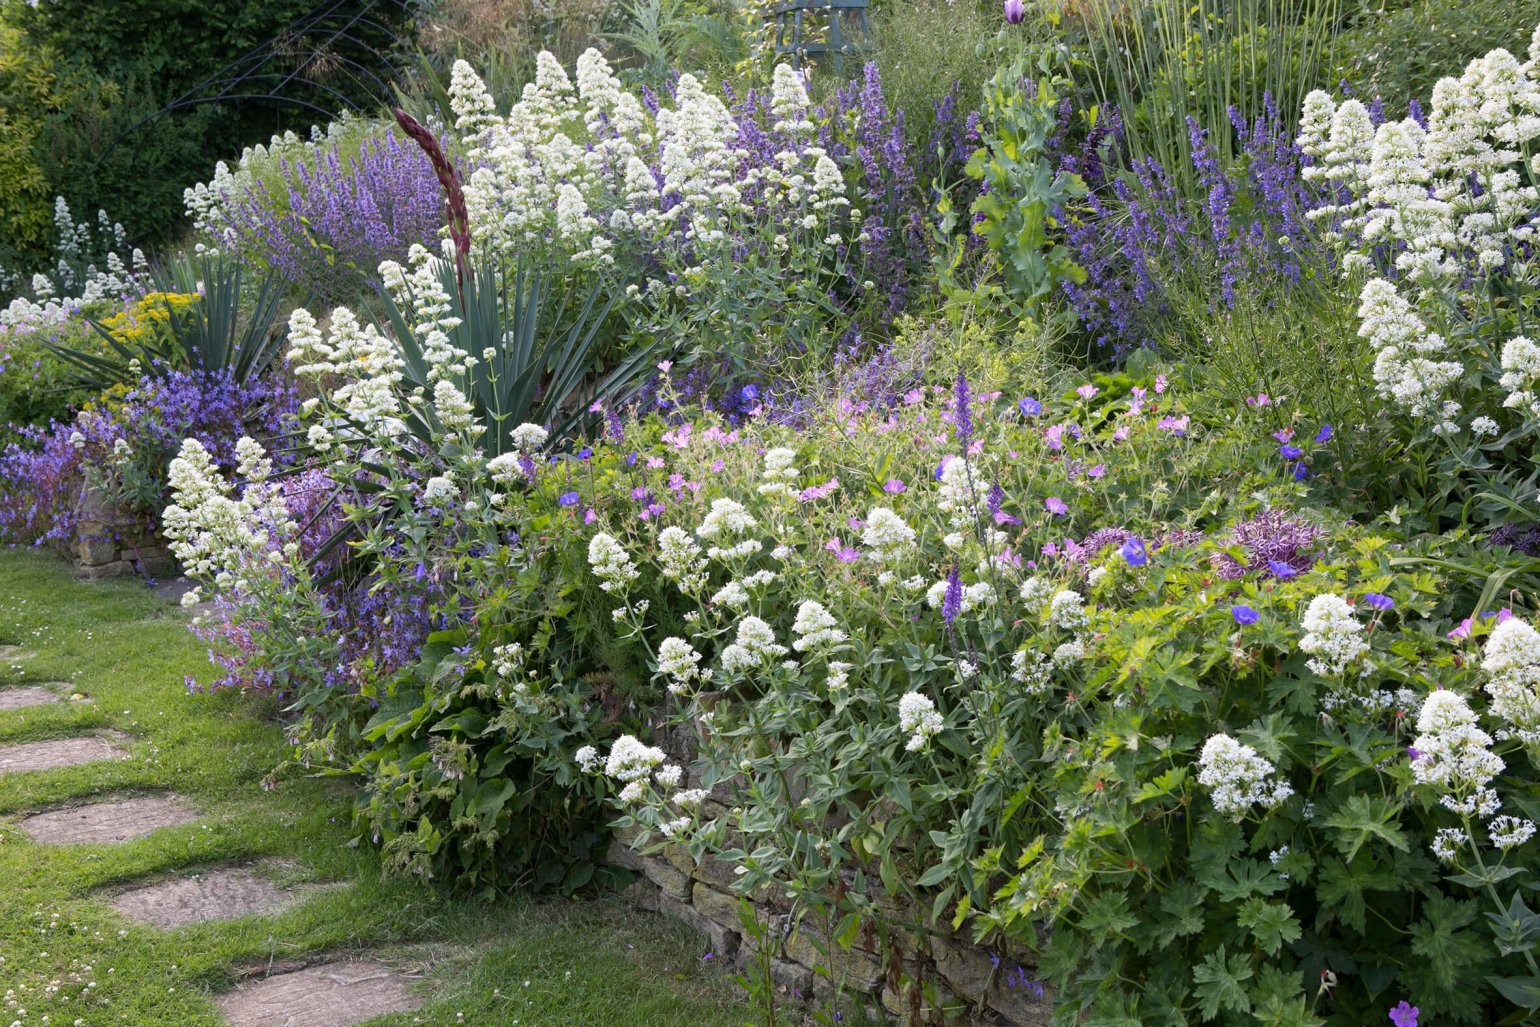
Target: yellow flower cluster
x=149 y=317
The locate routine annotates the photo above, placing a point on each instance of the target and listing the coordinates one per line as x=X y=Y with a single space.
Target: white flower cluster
x=679 y=555
x=816 y=628
x=1238 y=778
x=680 y=663
x=754 y=644
x=886 y=535
x=1512 y=659
x=727 y=521
x=917 y=717
x=1032 y=670
x=1333 y=635
x=1451 y=203
x=1510 y=832
x=586 y=167
x=961 y=495
x=632 y=763
x=75 y=282
x=1407 y=370
x=780 y=470
x=1454 y=754
x=974 y=596
x=1066 y=611
x=219 y=538
x=610 y=563
x=367 y=360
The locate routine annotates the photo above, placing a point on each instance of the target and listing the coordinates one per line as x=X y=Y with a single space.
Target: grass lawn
x=520 y=961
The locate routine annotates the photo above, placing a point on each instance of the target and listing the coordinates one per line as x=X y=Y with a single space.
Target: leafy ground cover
x=126 y=652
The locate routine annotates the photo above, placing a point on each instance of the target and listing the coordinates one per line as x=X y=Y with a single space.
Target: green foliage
x=87 y=86
x=1023 y=191
x=1397 y=51
x=209 y=323
x=468 y=779
x=36 y=385
x=1164 y=61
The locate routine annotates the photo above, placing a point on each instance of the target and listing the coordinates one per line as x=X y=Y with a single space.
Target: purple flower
x=1324 y=435
x=1404 y=1015
x=585 y=453
x=569 y=499
x=1056 y=506
x=1282 y=571
x=1301 y=472
x=1379 y=601
x=941 y=467
x=893 y=486
x=951 y=604
x=1029 y=407
x=1244 y=614
x=962 y=415
x=1134 y=552
x=1414 y=754
x=1290 y=452
x=1015 y=12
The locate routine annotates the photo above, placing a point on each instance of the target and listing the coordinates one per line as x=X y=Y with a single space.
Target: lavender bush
x=323 y=214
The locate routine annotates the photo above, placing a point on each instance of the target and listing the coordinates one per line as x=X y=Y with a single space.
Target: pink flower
x=664 y=365
x=717 y=465
x=842 y=552
x=1175 y=425
x=1284 y=434
x=1056 y=506
x=894 y=486
x=589 y=516
x=1121 y=435
x=1261 y=399
x=1087 y=390
x=1463 y=631
x=1160 y=384
x=823 y=491
x=1098 y=471
x=655 y=462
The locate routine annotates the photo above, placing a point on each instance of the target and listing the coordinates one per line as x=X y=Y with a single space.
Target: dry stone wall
x=970 y=984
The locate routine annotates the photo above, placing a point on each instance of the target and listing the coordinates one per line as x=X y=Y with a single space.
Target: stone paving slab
x=102 y=822
x=216 y=895
x=23 y=696
x=332 y=995
x=9 y=653
x=56 y=752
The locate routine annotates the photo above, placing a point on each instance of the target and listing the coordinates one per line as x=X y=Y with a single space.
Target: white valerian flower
x=1510 y=832
x=1066 y=610
x=680 y=663
x=816 y=628
x=839 y=675
x=886 y=535
x=610 y=563
x=439 y=488
x=779 y=472
x=1447 y=842
x=973 y=596
x=1452 y=752
x=529 y=437
x=1333 y=635
x=631 y=760
x=1069 y=654
x=1036 y=590
x=668 y=776
x=1406 y=368
x=917 y=717
x=732 y=594
x=727 y=518
x=1032 y=670
x=755 y=643
x=635 y=791
x=680 y=558
x=1512 y=659
x=1521 y=375
x=960 y=491
x=1238 y=778
x=691 y=798
x=507 y=659
x=588 y=759
x=453 y=409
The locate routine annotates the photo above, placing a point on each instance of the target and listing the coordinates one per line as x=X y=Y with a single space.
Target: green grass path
x=520 y=961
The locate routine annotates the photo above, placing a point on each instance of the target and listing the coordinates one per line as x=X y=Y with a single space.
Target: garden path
x=151 y=881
